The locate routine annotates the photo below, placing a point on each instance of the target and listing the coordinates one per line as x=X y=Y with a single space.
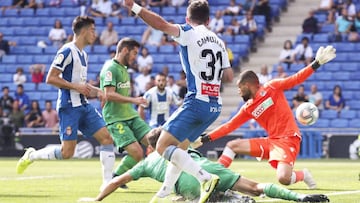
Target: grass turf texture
x=66 y=181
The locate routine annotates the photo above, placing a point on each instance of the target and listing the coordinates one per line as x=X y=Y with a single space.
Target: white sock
x=293 y=178
x=229 y=153
x=171 y=176
x=107 y=159
x=184 y=161
x=45 y=153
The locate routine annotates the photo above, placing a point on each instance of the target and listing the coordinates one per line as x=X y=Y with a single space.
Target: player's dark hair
x=198 y=11
x=81 y=22
x=5 y=88
x=154 y=136
x=161 y=74
x=248 y=76
x=128 y=43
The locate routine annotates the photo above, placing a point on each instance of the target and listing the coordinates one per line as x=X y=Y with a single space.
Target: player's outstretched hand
x=87 y=199
x=324 y=55
x=205 y=138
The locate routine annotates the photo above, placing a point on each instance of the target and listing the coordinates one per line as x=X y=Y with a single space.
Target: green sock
x=127 y=162
x=275 y=191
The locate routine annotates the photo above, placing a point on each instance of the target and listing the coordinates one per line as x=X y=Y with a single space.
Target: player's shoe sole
x=25 y=161
x=208 y=187
x=314 y=198
x=308 y=179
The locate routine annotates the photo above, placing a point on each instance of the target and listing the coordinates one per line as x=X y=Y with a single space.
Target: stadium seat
x=351 y=85
x=50 y=50
x=344 y=75
x=27 y=12
x=332 y=67
x=328 y=114
x=339 y=123
x=9 y=59
x=93 y=59
x=245 y=39
x=44 y=12
x=354 y=123
x=128 y=21
x=344 y=46
x=7 y=77
x=181 y=11
x=341 y=57
x=353 y=104
x=5 y=3
x=22 y=31
x=44 y=59
x=320 y=38
x=57 y=11
x=25 y=59
x=169 y=11
x=166 y=49
x=16 y=22
x=100 y=49
x=348 y=114
x=44 y=87
x=324 y=76
x=327 y=28
x=34 y=50
x=227 y=38
x=74 y=11
x=321 y=123
x=10 y=12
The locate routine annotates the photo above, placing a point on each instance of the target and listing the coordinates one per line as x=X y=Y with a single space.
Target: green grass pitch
x=66 y=181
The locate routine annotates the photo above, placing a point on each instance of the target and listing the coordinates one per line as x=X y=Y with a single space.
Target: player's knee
x=138 y=156
x=284 y=180
x=168 y=152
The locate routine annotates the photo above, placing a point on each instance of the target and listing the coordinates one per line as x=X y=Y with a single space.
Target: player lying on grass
x=154 y=166
x=267 y=105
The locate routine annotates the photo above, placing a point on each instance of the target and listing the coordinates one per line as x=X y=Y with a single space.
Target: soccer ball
x=307 y=113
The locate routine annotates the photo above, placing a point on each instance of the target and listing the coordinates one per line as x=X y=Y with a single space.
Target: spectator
x=142 y=79
x=299 y=97
x=144 y=60
x=35 y=4
x=5 y=45
x=264 y=75
x=157 y=3
x=165 y=70
x=233 y=9
x=100 y=8
x=167 y=39
x=335 y=101
x=182 y=84
x=263 y=8
x=171 y=83
x=280 y=72
x=248 y=26
x=109 y=36
x=310 y=24
x=17 y=116
x=357 y=22
x=50 y=116
x=342 y=26
x=303 y=52
x=19 y=77
x=325 y=5
x=176 y=3
x=351 y=9
x=6 y=101
x=217 y=23
x=23 y=98
x=287 y=54
x=37 y=72
x=248 y=5
x=316 y=97
x=116 y=10
x=34 y=119
x=57 y=34
x=55 y=3
x=233 y=28
x=151 y=37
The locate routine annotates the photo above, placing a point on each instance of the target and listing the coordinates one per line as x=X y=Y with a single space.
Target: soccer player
x=267 y=104
x=204 y=61
x=127 y=129
x=154 y=166
x=159 y=100
x=69 y=73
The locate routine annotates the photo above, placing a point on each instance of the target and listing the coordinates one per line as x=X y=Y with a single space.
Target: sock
x=107 y=159
x=227 y=157
x=183 y=160
x=275 y=191
x=49 y=153
x=297 y=176
x=127 y=162
x=171 y=176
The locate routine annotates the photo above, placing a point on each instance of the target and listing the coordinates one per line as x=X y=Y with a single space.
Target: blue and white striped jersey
x=159 y=104
x=203 y=57
x=73 y=64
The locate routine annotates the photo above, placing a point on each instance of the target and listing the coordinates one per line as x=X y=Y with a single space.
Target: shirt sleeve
x=110 y=78
x=182 y=39
x=291 y=81
x=138 y=170
x=62 y=59
x=240 y=118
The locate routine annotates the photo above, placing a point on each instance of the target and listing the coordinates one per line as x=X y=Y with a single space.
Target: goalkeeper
x=154 y=166
x=267 y=104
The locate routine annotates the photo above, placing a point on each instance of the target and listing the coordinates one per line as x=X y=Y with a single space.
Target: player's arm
x=240 y=118
x=111 y=95
x=141 y=111
x=323 y=55
x=110 y=187
x=153 y=19
x=53 y=78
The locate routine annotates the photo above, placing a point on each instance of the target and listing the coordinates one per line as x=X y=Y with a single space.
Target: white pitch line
x=329 y=194
x=32 y=177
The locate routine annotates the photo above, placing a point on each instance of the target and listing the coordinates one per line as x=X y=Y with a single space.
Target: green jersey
x=116 y=75
x=154 y=166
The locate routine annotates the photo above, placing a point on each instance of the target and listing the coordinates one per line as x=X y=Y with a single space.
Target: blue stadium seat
x=67 y=22
x=25 y=59
x=44 y=59
x=245 y=39
x=354 y=104
x=166 y=49
x=354 y=123
x=227 y=38
x=47 y=22
x=30 y=40
x=57 y=11
x=181 y=11
x=27 y=12
x=44 y=12
x=74 y=11
x=328 y=114
x=355 y=75
x=34 y=50
x=3 y=22
x=169 y=11
x=320 y=38
x=344 y=46
x=324 y=76
x=339 y=123
x=93 y=59
x=351 y=85
x=44 y=87
x=344 y=75
x=348 y=114
x=7 y=77
x=7 y=31
x=327 y=28
x=22 y=31
x=128 y=21
x=341 y=57
x=34 y=95
x=50 y=50
x=5 y=3
x=50 y=95
x=10 y=12
x=9 y=59
x=32 y=22
x=350 y=67
x=16 y=21
x=68 y=4
x=348 y=95
x=114 y=20
x=260 y=19
x=152 y=49
x=353 y=57
x=100 y=49
x=321 y=123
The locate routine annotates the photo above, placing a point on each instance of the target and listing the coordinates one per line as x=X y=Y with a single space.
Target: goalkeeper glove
x=205 y=138
x=323 y=55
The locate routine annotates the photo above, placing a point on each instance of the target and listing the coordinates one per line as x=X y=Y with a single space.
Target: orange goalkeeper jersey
x=269 y=108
